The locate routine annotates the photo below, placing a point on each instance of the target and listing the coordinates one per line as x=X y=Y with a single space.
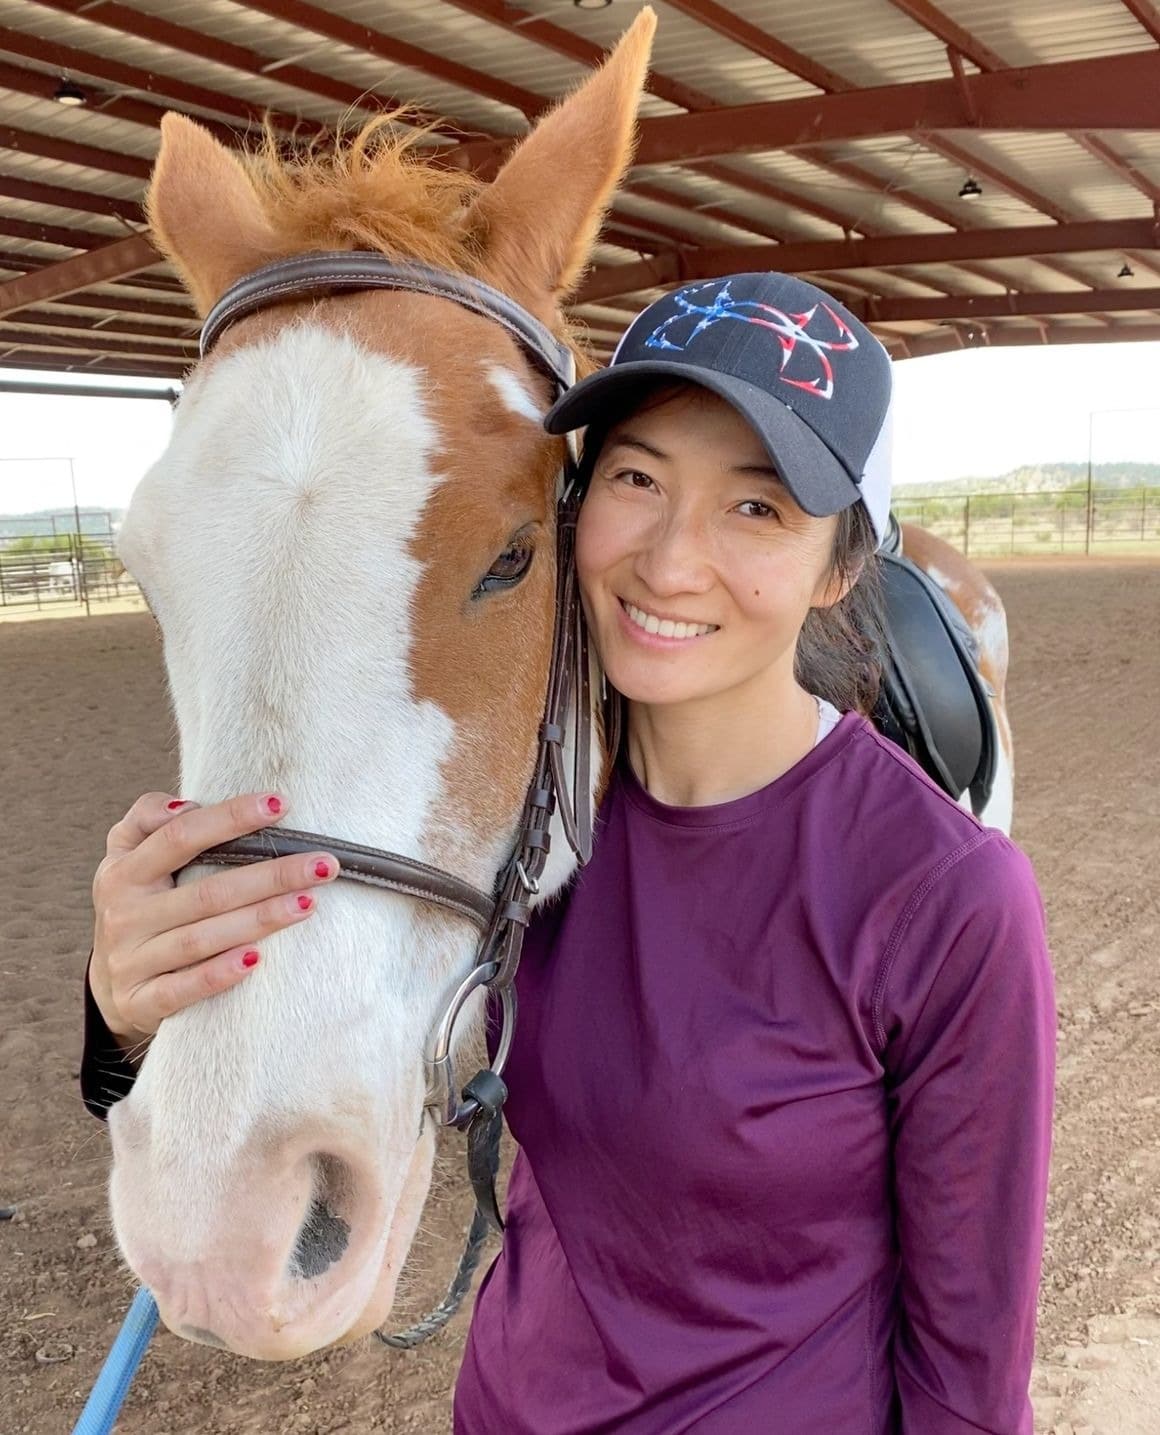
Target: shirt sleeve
x=967 y=1022
x=105 y=1074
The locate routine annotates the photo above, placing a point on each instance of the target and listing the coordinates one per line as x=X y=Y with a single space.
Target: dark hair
x=839 y=650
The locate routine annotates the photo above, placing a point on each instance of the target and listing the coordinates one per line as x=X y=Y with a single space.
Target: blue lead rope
x=108 y=1394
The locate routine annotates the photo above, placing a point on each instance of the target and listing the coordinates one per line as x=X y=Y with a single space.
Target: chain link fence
x=1074 y=520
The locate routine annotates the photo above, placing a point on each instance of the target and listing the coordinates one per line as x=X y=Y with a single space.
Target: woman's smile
x=655 y=631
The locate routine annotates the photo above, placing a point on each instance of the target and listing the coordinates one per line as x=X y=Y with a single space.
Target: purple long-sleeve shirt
x=782 y=1086
x=782 y=1083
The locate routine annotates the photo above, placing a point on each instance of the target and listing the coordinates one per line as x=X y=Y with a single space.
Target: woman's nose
x=674 y=558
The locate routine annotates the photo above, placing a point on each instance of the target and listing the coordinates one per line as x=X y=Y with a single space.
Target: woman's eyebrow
x=629 y=440
x=757 y=470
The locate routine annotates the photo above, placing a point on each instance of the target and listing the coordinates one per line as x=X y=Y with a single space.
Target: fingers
x=170 y=992
x=146 y=815
x=175 y=843
x=232 y=888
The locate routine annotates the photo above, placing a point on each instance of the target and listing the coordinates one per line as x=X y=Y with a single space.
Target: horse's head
x=316 y=544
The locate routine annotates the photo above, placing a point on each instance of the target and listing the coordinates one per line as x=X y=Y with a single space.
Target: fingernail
x=322 y=869
x=304 y=902
x=249 y=959
x=273 y=805
x=176 y=803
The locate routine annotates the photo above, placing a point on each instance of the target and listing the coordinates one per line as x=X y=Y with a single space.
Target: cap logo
x=699 y=309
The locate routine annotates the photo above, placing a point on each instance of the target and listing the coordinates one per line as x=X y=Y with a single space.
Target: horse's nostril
x=324 y=1235
x=203 y=1337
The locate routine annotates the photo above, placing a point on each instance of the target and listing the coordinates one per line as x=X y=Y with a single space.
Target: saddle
x=934 y=703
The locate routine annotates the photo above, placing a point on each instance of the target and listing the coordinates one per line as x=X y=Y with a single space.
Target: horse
x=349 y=548
x=975 y=599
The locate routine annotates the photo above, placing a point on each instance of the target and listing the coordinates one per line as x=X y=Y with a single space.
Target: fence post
x=967 y=527
x=1143 y=511
x=1011 y=549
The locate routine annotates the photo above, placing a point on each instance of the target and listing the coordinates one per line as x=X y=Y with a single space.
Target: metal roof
x=831 y=139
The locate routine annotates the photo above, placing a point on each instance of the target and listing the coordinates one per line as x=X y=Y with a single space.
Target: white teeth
x=665 y=627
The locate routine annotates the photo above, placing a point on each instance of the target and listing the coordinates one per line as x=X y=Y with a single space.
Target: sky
x=974 y=413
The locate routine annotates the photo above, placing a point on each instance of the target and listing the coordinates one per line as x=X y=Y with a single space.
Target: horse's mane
x=372 y=189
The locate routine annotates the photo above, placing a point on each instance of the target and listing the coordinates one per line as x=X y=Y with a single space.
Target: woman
x=782 y=1081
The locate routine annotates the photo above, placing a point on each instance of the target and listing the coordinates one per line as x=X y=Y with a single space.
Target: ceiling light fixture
x=1126 y=271
x=970 y=188
x=592 y=4
x=66 y=93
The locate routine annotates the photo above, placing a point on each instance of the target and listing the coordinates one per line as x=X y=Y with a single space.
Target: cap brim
x=804 y=464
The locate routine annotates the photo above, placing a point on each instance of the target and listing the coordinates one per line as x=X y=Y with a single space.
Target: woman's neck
x=696 y=754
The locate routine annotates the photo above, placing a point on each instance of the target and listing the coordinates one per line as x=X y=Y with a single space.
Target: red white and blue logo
x=806 y=340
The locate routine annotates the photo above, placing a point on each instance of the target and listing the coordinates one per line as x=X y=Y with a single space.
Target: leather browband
x=334 y=271
x=372 y=865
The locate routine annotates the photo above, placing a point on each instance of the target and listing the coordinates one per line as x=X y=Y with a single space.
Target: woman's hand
x=158 y=947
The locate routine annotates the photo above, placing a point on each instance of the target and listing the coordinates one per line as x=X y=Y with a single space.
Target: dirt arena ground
x=85 y=728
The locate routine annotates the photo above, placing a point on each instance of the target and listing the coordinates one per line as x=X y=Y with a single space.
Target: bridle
x=502 y=917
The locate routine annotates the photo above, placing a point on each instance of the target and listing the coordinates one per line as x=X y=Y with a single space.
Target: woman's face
x=686 y=523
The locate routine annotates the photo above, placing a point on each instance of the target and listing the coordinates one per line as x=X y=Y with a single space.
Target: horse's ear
x=542 y=213
x=204 y=212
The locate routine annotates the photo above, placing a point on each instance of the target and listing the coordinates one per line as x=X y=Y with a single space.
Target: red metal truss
x=1111 y=92
x=112 y=325
x=55 y=195
x=400 y=52
x=999 y=306
x=90 y=344
x=70 y=152
x=1022 y=241
x=98 y=266
x=138 y=23
x=961 y=42
x=1146 y=14
x=178 y=94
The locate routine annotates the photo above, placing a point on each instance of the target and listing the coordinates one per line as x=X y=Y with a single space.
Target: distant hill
x=1036 y=477
x=43 y=520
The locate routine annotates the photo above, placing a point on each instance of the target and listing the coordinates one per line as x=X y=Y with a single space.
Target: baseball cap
x=812 y=381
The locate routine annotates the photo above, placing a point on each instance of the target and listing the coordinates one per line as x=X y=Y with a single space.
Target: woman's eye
x=633 y=477
x=508 y=568
x=757 y=509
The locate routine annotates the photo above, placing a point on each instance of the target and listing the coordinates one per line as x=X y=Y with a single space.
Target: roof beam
x=961 y=42
x=68 y=151
x=98 y=266
x=171 y=92
x=143 y=26
x=27 y=356
x=999 y=306
x=94 y=344
x=749 y=37
x=184 y=347
x=57 y=197
x=1023 y=241
x=400 y=52
x=518 y=21
x=1111 y=92
x=1145 y=13
x=1008 y=336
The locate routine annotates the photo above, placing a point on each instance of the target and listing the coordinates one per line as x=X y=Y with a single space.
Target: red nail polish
x=250 y=959
x=175 y=804
x=305 y=903
x=274 y=805
x=322 y=869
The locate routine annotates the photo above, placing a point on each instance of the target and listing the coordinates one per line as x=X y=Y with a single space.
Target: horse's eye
x=508 y=568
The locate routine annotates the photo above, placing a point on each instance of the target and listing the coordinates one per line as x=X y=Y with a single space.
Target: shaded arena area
x=86 y=728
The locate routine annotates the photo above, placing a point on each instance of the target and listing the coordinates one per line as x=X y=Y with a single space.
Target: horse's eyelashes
x=509 y=568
